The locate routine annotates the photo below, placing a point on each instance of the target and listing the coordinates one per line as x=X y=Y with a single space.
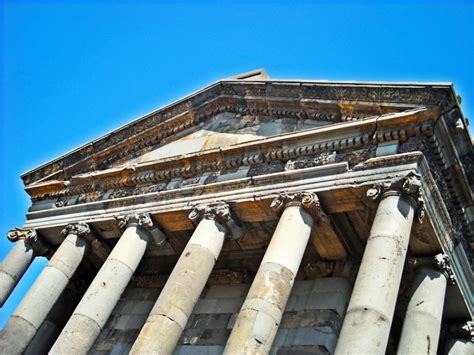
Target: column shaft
x=422 y=324
x=366 y=326
x=55 y=321
x=13 y=267
x=35 y=306
x=459 y=347
x=97 y=304
x=261 y=313
x=169 y=315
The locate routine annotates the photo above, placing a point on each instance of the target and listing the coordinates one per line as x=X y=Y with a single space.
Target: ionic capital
x=145 y=221
x=443 y=263
x=31 y=238
x=307 y=200
x=137 y=219
x=219 y=212
x=408 y=185
x=79 y=229
x=469 y=328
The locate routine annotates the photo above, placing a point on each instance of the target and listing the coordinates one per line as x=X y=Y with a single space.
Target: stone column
x=460 y=347
x=422 y=324
x=95 y=307
x=169 y=315
x=261 y=313
x=35 y=306
x=56 y=320
x=368 y=319
x=27 y=246
x=464 y=345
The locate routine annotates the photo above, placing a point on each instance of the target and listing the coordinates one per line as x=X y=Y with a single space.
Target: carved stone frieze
x=434 y=153
x=409 y=185
x=149 y=188
x=219 y=212
x=468 y=163
x=31 y=238
x=191 y=181
x=159 y=126
x=124 y=182
x=308 y=162
x=60 y=203
x=267 y=168
x=357 y=156
x=90 y=197
x=352 y=157
x=121 y=192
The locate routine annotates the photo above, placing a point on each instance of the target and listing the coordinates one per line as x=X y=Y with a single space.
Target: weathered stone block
x=120 y=349
x=140 y=293
x=226 y=305
x=127 y=322
x=327 y=300
x=227 y=291
x=319 y=336
x=144 y=308
x=210 y=321
x=311 y=318
x=199 y=350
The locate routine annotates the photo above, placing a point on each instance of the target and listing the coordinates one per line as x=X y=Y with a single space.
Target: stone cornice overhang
x=327 y=181
x=278 y=98
x=423 y=123
x=338 y=137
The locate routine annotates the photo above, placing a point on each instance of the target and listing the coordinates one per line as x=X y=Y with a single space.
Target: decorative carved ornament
x=308 y=200
x=443 y=263
x=31 y=238
x=469 y=328
x=125 y=179
x=409 y=185
x=219 y=212
x=160 y=125
x=144 y=220
x=79 y=229
x=140 y=219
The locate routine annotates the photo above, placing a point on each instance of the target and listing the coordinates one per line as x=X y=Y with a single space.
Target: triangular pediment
x=238 y=110
x=224 y=130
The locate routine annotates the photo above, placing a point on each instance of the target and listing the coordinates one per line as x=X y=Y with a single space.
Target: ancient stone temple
x=256 y=216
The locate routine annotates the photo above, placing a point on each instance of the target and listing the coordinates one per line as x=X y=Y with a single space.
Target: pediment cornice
x=343 y=139
x=322 y=101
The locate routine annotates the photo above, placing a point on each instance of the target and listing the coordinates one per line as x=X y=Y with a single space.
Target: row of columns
x=27 y=246
x=369 y=315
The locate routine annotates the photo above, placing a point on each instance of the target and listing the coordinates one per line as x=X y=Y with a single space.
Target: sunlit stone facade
x=256 y=216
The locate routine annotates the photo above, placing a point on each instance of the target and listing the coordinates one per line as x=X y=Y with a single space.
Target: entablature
x=342 y=192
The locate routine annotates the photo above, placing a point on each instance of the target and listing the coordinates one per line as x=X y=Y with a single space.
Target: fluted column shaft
x=35 y=306
x=169 y=315
x=261 y=313
x=422 y=323
x=368 y=319
x=13 y=267
x=99 y=300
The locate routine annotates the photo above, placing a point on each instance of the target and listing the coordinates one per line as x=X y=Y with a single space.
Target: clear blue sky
x=70 y=73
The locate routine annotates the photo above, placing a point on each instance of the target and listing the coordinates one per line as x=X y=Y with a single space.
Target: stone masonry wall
x=310 y=324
